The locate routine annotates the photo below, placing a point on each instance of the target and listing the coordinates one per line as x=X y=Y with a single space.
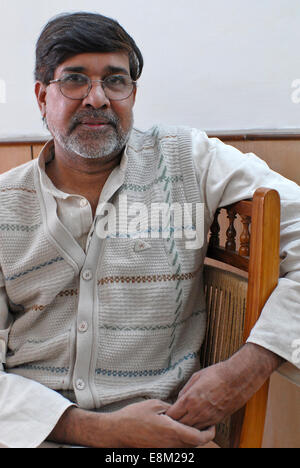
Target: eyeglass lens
x=78 y=86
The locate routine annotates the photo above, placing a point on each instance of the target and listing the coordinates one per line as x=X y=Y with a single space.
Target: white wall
x=212 y=64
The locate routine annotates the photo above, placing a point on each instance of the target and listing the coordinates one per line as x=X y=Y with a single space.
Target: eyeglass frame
x=134 y=83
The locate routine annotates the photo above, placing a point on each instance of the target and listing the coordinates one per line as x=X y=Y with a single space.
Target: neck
x=76 y=175
x=73 y=174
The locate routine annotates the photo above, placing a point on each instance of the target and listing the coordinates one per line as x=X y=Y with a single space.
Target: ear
x=134 y=95
x=41 y=93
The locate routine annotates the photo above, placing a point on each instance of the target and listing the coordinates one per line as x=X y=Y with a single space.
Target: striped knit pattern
x=147 y=313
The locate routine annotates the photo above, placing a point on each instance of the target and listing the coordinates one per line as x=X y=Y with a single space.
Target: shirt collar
x=114 y=182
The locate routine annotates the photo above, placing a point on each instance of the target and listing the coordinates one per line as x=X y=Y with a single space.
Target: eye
x=117 y=80
x=75 y=79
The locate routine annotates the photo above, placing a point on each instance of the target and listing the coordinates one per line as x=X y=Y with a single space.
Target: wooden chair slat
x=232 y=316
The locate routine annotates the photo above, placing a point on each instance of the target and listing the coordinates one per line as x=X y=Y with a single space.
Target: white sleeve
x=29 y=411
x=226 y=176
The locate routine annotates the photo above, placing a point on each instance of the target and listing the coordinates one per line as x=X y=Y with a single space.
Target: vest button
x=83 y=203
x=87 y=275
x=80 y=384
x=83 y=327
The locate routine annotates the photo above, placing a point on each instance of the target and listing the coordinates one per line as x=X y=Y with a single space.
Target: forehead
x=96 y=63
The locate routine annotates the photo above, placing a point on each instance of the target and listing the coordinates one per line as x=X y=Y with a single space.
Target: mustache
x=108 y=117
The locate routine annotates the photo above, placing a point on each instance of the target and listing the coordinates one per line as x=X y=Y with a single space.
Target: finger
x=163 y=410
x=198 y=420
x=160 y=407
x=189 y=436
x=177 y=411
x=189 y=419
x=187 y=386
x=207 y=435
x=194 y=379
x=192 y=436
x=164 y=407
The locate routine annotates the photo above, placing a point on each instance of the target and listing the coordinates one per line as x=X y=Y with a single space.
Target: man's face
x=94 y=127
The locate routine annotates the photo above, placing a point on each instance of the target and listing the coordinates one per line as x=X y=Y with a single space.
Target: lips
x=94 y=122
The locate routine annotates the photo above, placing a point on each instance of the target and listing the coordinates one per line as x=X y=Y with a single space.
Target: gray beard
x=96 y=147
x=97 y=144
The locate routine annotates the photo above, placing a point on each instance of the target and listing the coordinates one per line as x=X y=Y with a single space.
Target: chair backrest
x=235 y=301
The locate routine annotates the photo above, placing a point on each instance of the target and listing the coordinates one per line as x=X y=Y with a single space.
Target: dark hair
x=68 y=35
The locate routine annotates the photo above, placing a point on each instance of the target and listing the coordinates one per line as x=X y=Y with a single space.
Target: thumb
x=195 y=378
x=177 y=411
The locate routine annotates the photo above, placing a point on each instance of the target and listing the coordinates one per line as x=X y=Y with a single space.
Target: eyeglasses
x=77 y=86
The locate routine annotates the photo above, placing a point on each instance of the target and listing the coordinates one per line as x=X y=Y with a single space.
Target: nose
x=96 y=97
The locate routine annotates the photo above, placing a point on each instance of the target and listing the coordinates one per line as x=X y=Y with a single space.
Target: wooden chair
x=234 y=302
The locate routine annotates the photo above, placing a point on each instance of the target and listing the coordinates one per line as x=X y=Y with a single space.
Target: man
x=100 y=336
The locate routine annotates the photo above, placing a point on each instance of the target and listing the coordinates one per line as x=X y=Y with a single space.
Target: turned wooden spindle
x=245 y=237
x=214 y=240
x=231 y=232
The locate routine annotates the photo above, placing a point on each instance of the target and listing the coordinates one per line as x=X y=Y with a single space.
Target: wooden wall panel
x=13 y=155
x=36 y=149
x=282 y=429
x=282 y=156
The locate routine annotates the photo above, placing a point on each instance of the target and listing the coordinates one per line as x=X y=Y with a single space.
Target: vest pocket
x=51 y=355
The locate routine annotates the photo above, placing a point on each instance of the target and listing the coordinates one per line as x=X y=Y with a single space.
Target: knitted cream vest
x=117 y=324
